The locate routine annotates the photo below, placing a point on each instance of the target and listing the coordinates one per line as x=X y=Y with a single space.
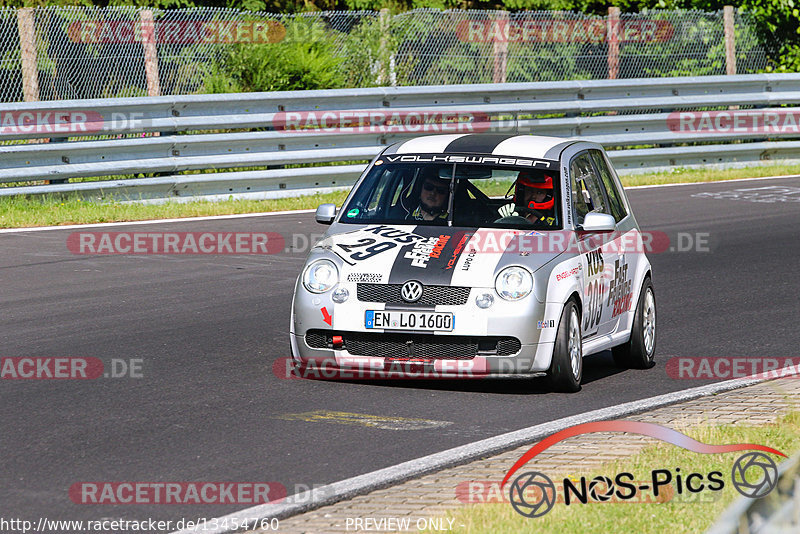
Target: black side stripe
x=476 y=143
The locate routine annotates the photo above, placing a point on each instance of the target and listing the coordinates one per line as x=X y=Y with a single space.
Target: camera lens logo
x=532 y=494
x=754 y=466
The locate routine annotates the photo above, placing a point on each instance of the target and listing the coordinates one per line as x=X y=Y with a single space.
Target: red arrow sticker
x=327 y=317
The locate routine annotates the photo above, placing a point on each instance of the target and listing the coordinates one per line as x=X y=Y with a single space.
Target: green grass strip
x=683 y=513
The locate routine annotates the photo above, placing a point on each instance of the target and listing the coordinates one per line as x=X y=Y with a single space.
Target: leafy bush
x=368 y=51
x=291 y=65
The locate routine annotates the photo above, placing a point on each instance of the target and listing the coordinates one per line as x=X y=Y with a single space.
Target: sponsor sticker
x=619 y=292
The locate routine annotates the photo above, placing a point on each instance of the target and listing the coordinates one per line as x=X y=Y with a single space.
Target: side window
x=587 y=193
x=614 y=196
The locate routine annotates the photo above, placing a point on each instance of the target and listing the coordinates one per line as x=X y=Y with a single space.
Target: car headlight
x=513 y=283
x=321 y=276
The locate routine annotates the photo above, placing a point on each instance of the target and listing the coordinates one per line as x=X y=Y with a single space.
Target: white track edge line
x=291 y=212
x=713 y=182
x=390 y=476
x=154 y=221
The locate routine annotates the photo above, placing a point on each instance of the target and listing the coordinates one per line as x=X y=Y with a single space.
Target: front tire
x=566 y=367
x=639 y=351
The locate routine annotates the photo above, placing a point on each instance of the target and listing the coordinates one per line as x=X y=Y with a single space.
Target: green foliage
x=311 y=56
x=778 y=23
x=367 y=51
x=298 y=62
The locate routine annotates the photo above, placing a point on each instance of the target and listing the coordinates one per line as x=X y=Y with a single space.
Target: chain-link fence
x=78 y=52
x=10 y=61
x=490 y=46
x=101 y=52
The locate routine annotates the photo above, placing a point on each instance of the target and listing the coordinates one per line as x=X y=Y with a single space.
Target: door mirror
x=598 y=223
x=325 y=213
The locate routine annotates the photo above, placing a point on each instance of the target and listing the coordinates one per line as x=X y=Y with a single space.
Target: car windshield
x=458 y=194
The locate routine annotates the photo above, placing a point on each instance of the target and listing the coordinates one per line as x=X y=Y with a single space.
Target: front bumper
x=506 y=338
x=529 y=359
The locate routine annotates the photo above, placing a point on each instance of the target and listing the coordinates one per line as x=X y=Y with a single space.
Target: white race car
x=479 y=255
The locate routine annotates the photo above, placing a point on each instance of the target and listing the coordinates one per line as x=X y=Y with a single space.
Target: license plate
x=406 y=320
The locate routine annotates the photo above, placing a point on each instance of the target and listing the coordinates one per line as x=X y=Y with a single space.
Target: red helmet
x=524 y=180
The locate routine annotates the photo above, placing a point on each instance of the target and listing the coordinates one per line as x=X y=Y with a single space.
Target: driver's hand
x=507 y=210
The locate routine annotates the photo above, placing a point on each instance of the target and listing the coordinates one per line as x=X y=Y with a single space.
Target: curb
x=389 y=476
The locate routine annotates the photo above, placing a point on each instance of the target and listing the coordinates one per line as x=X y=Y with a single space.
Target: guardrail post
x=730 y=40
x=150 y=52
x=613 y=42
x=27 y=44
x=500 y=47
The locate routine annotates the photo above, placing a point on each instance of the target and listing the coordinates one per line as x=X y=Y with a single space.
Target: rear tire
x=566 y=367
x=639 y=351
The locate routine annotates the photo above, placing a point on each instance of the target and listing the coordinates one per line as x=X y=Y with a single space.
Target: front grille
x=416 y=345
x=316 y=339
x=431 y=295
x=508 y=345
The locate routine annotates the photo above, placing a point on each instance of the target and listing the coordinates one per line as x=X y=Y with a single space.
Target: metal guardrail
x=615 y=113
x=777 y=513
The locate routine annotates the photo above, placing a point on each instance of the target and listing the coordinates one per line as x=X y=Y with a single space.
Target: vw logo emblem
x=411 y=291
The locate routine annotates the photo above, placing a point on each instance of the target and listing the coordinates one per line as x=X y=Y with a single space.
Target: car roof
x=526 y=146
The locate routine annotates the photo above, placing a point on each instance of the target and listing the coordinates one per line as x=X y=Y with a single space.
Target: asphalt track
x=209 y=328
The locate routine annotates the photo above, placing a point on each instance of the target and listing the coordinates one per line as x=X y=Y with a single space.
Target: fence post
x=27 y=45
x=500 y=48
x=150 y=52
x=613 y=43
x=385 y=59
x=730 y=40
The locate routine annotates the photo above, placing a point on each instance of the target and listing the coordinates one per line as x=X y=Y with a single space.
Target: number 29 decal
x=365 y=248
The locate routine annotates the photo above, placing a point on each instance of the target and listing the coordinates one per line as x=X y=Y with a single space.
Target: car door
x=599 y=253
x=619 y=300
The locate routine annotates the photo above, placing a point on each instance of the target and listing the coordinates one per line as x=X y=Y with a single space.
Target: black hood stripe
x=416 y=261
x=476 y=143
x=392 y=149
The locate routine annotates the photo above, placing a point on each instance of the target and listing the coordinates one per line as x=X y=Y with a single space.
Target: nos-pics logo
x=533 y=494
